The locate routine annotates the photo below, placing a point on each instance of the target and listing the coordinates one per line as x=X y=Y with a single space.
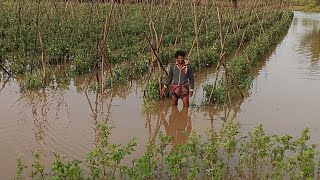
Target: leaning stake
x=5 y=70
x=155 y=54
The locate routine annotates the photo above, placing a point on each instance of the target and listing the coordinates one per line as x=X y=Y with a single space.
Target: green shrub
x=223 y=154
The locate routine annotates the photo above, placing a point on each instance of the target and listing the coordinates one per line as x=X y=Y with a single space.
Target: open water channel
x=284 y=98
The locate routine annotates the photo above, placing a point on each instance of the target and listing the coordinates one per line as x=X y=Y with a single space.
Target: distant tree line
x=233 y=2
x=306 y=2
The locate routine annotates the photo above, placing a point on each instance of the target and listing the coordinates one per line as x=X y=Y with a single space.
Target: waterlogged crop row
x=241 y=66
x=69 y=33
x=252 y=31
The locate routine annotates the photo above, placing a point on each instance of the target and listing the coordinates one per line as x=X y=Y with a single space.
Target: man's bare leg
x=174 y=101
x=185 y=101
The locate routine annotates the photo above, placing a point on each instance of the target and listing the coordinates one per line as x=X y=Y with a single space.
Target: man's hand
x=163 y=91
x=190 y=93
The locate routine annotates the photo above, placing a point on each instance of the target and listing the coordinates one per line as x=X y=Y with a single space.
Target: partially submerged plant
x=224 y=154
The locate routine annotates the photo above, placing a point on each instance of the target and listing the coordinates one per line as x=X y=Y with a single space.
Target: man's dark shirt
x=180 y=76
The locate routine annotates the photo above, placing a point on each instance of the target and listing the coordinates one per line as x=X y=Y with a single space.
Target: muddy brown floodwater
x=284 y=98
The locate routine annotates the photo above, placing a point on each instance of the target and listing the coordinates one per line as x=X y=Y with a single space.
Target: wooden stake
x=5 y=70
x=155 y=53
x=221 y=62
x=195 y=23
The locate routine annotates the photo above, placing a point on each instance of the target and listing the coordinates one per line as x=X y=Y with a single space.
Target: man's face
x=180 y=60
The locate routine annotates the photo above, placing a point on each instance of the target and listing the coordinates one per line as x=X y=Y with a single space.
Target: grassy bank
x=309 y=8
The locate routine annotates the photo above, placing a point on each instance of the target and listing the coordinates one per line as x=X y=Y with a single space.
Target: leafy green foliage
x=20 y=170
x=34 y=80
x=152 y=90
x=68 y=170
x=37 y=168
x=82 y=64
x=223 y=155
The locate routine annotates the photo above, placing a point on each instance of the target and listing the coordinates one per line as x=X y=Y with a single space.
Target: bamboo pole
x=195 y=23
x=5 y=70
x=18 y=35
x=38 y=36
x=221 y=62
x=220 y=58
x=207 y=19
x=42 y=58
x=164 y=25
x=181 y=22
x=104 y=42
x=155 y=53
x=35 y=37
x=244 y=32
x=195 y=39
x=234 y=81
x=154 y=37
x=95 y=66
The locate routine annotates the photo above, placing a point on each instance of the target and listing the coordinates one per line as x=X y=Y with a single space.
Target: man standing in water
x=181 y=80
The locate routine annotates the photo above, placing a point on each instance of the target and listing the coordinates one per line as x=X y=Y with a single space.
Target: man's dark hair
x=180 y=53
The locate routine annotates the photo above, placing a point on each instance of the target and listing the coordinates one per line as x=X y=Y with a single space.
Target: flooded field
x=283 y=98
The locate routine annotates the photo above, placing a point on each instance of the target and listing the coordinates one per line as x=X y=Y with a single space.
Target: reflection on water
x=310 y=42
x=43 y=108
x=310 y=47
x=307 y=46
x=178 y=125
x=97 y=112
x=4 y=83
